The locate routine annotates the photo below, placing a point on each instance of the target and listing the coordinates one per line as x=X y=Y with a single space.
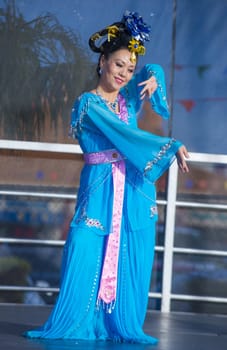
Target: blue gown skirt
x=76 y=315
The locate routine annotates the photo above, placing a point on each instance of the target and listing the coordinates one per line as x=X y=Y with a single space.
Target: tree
x=42 y=69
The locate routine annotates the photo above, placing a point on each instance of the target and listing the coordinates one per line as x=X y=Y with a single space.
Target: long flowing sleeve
x=150 y=154
x=158 y=99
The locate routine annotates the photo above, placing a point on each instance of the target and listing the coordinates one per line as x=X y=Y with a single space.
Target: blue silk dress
x=146 y=156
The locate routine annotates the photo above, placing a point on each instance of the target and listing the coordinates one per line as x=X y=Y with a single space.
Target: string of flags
x=190 y=103
x=201 y=69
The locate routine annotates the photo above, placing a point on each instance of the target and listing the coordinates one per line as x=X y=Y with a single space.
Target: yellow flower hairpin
x=135 y=47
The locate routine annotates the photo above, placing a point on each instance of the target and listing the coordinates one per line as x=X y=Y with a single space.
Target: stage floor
x=176 y=331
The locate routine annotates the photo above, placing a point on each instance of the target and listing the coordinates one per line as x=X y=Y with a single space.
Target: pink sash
x=108 y=285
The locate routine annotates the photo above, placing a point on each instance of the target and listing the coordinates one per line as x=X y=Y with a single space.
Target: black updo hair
x=121 y=41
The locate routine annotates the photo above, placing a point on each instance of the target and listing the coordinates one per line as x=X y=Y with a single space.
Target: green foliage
x=13 y=271
x=12 y=263
x=42 y=69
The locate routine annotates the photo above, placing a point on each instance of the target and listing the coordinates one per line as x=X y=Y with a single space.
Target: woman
x=108 y=255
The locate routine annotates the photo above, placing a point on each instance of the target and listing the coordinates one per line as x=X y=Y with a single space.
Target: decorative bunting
x=178 y=66
x=202 y=69
x=189 y=104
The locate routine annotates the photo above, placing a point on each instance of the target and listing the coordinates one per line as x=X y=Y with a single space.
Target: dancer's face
x=117 y=70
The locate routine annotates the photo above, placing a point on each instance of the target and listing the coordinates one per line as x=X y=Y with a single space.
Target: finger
x=142 y=83
x=185 y=152
x=147 y=82
x=143 y=93
x=183 y=166
x=151 y=80
x=147 y=90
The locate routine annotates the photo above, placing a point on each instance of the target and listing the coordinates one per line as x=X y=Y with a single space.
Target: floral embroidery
x=160 y=87
x=154 y=211
x=123 y=109
x=90 y=222
x=76 y=123
x=94 y=223
x=159 y=156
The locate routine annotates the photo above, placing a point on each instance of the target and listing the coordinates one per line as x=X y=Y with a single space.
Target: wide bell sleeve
x=150 y=154
x=158 y=99
x=77 y=114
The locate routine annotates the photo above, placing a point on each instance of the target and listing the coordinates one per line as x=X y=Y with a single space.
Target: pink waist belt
x=108 y=284
x=107 y=156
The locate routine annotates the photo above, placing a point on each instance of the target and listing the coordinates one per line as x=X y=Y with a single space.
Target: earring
x=100 y=71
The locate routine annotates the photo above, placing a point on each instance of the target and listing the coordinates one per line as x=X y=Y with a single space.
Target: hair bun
x=108 y=33
x=132 y=25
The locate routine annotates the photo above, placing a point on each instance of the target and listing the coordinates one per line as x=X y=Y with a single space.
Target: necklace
x=113 y=105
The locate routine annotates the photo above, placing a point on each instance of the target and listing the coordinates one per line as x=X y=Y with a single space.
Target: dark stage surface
x=176 y=331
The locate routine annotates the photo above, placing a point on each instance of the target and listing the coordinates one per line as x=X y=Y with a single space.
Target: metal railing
x=171 y=204
x=169 y=249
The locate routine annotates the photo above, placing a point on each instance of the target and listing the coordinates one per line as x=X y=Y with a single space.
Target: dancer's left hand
x=150 y=85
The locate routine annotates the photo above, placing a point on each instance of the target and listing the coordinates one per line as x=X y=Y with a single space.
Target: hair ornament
x=112 y=32
x=133 y=57
x=139 y=31
x=132 y=24
x=136 y=46
x=136 y=26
